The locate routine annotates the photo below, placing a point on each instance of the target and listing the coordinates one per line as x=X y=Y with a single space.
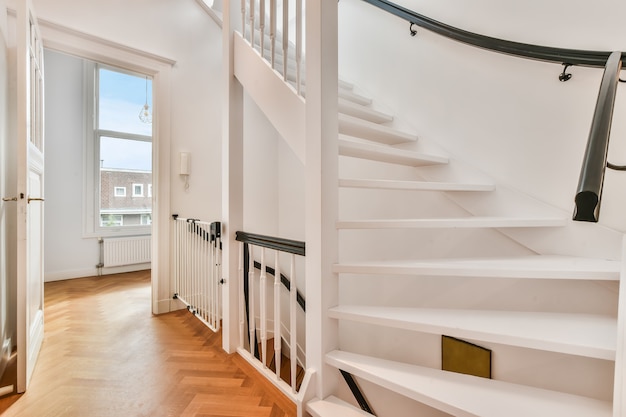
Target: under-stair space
x=285 y=364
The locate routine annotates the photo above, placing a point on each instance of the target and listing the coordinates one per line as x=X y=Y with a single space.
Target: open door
x=30 y=182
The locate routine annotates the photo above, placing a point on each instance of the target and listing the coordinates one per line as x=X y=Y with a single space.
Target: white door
x=30 y=162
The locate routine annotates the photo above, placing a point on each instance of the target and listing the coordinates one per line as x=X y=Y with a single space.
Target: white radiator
x=127 y=250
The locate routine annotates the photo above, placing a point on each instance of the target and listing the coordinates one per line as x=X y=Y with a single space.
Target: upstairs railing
x=268 y=250
x=274 y=29
x=588 y=197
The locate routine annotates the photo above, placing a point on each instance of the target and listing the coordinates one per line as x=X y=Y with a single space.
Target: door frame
x=83 y=45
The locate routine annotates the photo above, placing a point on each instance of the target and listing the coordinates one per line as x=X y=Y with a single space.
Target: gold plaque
x=464 y=357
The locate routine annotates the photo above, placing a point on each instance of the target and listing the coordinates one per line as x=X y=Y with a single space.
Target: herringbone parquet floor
x=105 y=355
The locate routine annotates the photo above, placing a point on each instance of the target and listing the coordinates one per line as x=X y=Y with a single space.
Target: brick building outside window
x=125 y=197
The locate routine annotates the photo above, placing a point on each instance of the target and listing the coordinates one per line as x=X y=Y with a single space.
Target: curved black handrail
x=284 y=245
x=543 y=53
x=592 y=172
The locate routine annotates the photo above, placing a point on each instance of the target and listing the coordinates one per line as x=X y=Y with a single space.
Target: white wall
x=67 y=253
x=184 y=33
x=181 y=31
x=509 y=116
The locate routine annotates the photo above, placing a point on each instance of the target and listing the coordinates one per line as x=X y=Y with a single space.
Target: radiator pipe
x=101 y=260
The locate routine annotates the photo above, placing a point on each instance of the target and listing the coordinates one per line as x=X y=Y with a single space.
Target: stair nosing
x=413 y=185
x=334 y=405
x=586 y=335
x=363 y=112
x=461 y=222
x=388 y=154
x=353 y=126
x=530 y=267
x=465 y=395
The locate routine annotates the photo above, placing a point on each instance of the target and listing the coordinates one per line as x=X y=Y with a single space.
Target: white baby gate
x=198 y=268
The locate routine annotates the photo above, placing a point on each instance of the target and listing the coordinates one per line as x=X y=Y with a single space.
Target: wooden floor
x=105 y=355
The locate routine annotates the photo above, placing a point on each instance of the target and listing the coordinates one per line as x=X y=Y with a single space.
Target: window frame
x=116 y=189
x=139 y=194
x=91 y=158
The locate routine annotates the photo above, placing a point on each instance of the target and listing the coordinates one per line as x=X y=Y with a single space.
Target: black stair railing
x=591 y=180
x=279 y=244
x=539 y=52
x=588 y=196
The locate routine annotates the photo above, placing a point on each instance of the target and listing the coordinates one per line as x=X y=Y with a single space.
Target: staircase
x=439 y=249
x=367 y=144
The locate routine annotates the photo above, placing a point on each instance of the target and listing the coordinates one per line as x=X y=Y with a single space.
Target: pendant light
x=145 y=114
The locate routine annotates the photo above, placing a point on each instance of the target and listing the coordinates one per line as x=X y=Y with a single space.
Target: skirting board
x=92 y=272
x=164 y=306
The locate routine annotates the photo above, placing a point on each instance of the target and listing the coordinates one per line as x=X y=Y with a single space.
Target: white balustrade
x=255 y=14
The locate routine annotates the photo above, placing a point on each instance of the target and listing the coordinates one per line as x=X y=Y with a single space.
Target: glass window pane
x=125 y=164
x=121 y=98
x=125 y=154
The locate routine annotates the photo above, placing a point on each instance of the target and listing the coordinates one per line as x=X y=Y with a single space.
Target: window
x=149 y=190
x=119 y=155
x=111 y=220
x=137 y=190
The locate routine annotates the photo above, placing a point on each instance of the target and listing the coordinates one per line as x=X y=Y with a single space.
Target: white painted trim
x=53 y=43
x=277 y=99
x=307 y=391
x=92 y=272
x=321 y=177
x=71 y=274
x=268 y=374
x=232 y=178
x=209 y=10
x=87 y=46
x=162 y=306
x=619 y=385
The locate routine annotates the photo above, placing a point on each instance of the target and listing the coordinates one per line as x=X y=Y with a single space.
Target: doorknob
x=34 y=199
x=9 y=198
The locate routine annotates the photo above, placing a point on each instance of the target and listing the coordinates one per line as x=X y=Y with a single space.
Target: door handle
x=34 y=199
x=9 y=198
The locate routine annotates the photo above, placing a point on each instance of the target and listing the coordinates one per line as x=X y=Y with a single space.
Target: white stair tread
x=353 y=126
x=375 y=152
x=464 y=395
x=334 y=407
x=362 y=112
x=343 y=93
x=588 y=335
x=346 y=85
x=534 y=266
x=354 y=97
x=462 y=222
x=413 y=185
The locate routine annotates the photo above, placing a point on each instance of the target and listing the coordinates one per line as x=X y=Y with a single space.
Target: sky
x=122 y=97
